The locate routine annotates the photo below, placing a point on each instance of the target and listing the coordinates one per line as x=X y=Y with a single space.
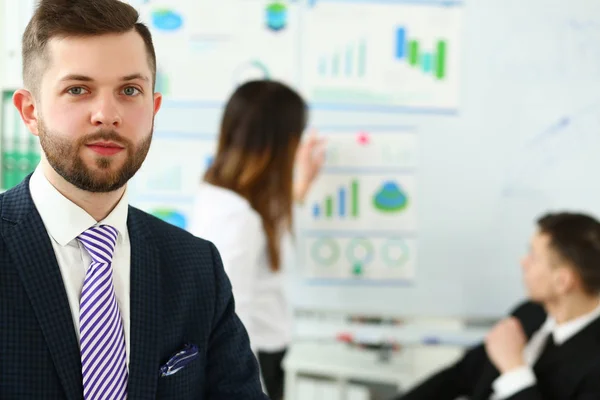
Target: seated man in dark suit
x=549 y=349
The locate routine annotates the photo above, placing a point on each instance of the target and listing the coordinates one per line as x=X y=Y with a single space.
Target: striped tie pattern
x=102 y=339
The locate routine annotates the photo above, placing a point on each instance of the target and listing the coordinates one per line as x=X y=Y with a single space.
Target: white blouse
x=227 y=219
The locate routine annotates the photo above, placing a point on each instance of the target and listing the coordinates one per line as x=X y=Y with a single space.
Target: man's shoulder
x=531 y=315
x=16 y=203
x=528 y=307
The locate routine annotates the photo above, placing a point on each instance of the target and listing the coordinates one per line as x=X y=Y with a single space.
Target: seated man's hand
x=504 y=345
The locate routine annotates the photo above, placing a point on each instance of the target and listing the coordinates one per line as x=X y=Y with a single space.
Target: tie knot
x=100 y=242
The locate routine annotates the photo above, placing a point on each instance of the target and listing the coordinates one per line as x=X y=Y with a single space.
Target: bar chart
x=361 y=202
x=345 y=203
x=413 y=52
x=409 y=58
x=349 y=60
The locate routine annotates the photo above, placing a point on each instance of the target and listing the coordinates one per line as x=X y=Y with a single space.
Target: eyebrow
x=134 y=77
x=76 y=77
x=84 y=78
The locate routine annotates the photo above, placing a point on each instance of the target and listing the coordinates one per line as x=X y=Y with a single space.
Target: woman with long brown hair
x=245 y=204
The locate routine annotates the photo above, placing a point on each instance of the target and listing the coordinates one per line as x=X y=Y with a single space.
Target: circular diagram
x=360 y=251
x=325 y=251
x=250 y=70
x=395 y=252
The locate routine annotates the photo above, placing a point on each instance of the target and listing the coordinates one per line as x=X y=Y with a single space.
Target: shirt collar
x=63 y=219
x=564 y=332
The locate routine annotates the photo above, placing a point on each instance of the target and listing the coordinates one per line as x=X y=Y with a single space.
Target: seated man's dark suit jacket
x=179 y=294
x=570 y=372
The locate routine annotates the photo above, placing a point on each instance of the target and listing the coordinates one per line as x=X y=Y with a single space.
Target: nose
x=106 y=112
x=524 y=262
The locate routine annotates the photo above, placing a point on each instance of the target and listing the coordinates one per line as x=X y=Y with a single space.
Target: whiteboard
x=523 y=141
x=451 y=127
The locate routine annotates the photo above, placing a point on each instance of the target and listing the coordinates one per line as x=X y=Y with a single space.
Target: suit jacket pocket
x=187 y=383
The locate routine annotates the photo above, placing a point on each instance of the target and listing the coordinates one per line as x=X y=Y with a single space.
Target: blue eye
x=130 y=91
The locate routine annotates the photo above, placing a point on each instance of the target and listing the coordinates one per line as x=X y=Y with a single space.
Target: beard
x=64 y=156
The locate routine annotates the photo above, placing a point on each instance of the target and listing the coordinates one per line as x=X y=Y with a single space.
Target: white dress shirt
x=64 y=221
x=514 y=381
x=227 y=219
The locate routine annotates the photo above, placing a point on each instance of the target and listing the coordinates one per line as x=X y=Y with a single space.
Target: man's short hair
x=575 y=238
x=77 y=18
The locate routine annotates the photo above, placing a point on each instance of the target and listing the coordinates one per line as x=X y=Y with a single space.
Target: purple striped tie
x=103 y=358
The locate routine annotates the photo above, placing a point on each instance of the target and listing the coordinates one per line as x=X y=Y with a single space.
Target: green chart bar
x=440 y=60
x=354 y=196
x=328 y=207
x=413 y=52
x=335 y=65
x=362 y=58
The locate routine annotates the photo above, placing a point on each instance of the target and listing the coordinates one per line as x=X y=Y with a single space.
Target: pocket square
x=179 y=360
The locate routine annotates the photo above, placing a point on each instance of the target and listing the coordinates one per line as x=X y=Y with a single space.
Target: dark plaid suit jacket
x=179 y=294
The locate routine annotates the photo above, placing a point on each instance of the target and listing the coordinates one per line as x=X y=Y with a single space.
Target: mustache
x=108 y=135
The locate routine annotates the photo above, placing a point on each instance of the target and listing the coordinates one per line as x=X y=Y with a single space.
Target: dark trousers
x=272 y=373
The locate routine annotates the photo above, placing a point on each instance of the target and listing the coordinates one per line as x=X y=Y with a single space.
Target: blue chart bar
x=323 y=66
x=342 y=202
x=401 y=43
x=427 y=61
x=316 y=211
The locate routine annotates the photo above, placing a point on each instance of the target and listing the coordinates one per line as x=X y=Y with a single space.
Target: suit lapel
x=30 y=248
x=575 y=356
x=145 y=310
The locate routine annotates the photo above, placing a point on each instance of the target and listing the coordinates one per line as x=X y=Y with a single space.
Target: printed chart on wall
x=382 y=55
x=359 y=220
x=205 y=50
x=166 y=183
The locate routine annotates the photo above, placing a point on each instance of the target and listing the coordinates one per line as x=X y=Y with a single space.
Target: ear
x=25 y=103
x=157 y=102
x=565 y=279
